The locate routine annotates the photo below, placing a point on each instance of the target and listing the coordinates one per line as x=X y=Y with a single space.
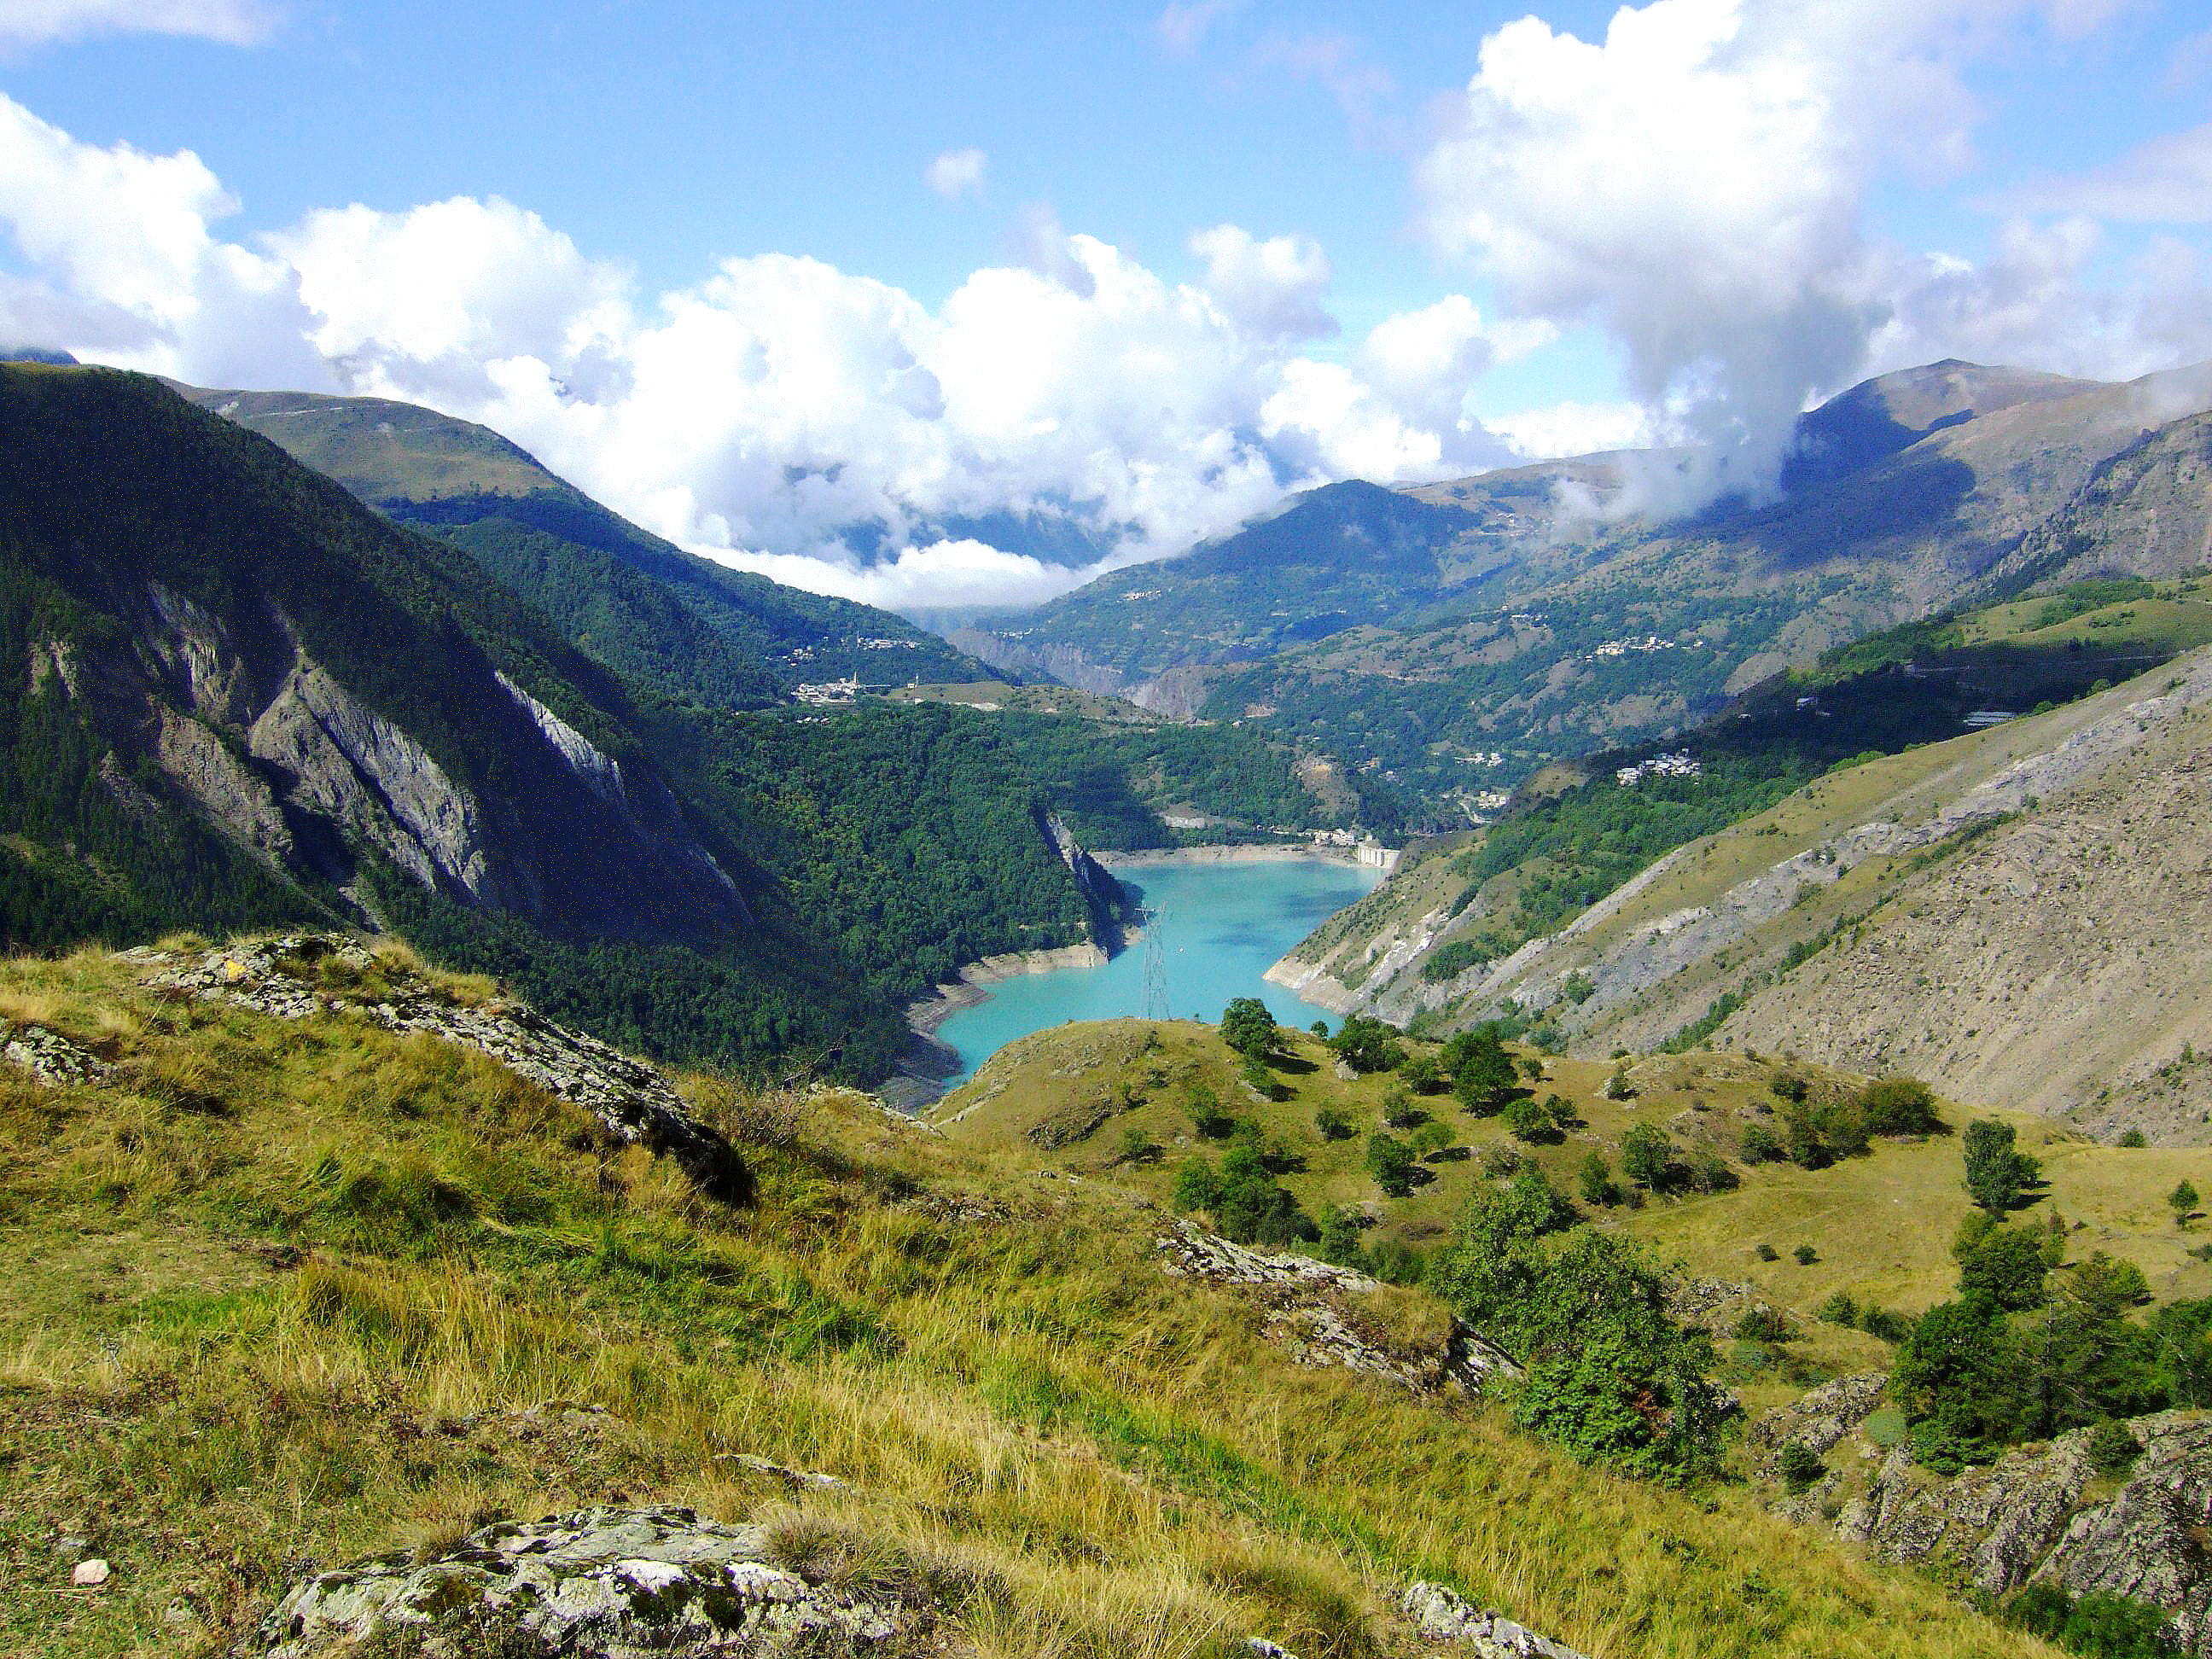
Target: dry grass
x=376 y=1292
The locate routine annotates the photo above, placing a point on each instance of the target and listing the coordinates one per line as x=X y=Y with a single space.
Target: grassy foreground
x=284 y=1292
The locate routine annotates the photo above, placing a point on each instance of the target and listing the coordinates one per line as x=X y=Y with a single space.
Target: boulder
x=1444 y=1615
x=601 y=1584
x=50 y=1058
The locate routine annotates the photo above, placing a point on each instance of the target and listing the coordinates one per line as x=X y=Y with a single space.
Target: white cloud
x=781 y=413
x=1695 y=183
x=1183 y=27
x=1576 y=428
x=956 y=174
x=2168 y=180
x=1274 y=288
x=37 y=22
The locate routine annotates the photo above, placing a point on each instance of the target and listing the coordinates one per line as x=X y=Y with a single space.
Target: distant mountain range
x=1458 y=636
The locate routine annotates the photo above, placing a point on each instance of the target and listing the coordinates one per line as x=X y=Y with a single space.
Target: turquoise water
x=1221 y=928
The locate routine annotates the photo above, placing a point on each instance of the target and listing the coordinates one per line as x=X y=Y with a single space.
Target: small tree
x=1760 y=1145
x=1339 y=1237
x=1249 y=1028
x=1391 y=1162
x=1527 y=1119
x=1801 y=1467
x=1646 y=1156
x=1486 y=1075
x=2183 y=1200
x=1335 y=1123
x=1137 y=1147
x=1899 y=1106
x=1197 y=1187
x=1367 y=1044
x=1422 y=1074
x=1205 y=1113
x=1596 y=1181
x=1619 y=1086
x=1996 y=1170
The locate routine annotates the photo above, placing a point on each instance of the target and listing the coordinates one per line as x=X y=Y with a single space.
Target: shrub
x=1801 y=1466
x=2005 y=1265
x=1840 y=1309
x=1760 y=1145
x=1421 y=1073
x=2183 y=1199
x=1249 y=1028
x=2099 y=1626
x=1138 y=1147
x=2113 y=1447
x=1391 y=1162
x=1526 y=1120
x=1596 y=1181
x=2134 y=1138
x=1335 y=1123
x=1788 y=1086
x=1806 y=1254
x=1619 y=1086
x=1367 y=1044
x=1197 y=1187
x=1205 y=1113
x=1764 y=1324
x=1710 y=1173
x=1768 y=1252
x=1609 y=1374
x=1899 y=1106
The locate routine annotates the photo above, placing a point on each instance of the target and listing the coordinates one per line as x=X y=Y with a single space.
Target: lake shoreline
x=1250 y=853
x=926 y=1063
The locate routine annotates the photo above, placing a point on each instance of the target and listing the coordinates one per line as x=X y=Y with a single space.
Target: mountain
x=690 y=627
x=1458 y=637
x=2006 y=907
x=243 y=699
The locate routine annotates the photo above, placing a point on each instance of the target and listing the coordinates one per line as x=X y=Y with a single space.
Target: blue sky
x=1679 y=222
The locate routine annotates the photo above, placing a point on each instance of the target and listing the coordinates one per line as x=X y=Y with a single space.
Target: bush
x=1802 y=1467
x=1249 y=1028
x=1788 y=1086
x=2006 y=1266
x=1367 y=1044
x=1609 y=1374
x=1899 y=1106
x=2134 y=1138
x=1392 y=1163
x=1996 y=1171
x=1596 y=1181
x=2099 y=1626
x=1647 y=1156
x=1527 y=1119
x=1806 y=1254
x=1710 y=1173
x=1768 y=1252
x=1197 y=1187
x=1335 y=1123
x=1764 y=1324
x=1760 y=1145
x=2113 y=1447
x=1207 y=1115
x=1840 y=1309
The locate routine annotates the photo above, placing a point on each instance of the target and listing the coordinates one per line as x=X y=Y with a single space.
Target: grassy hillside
x=1880 y=1226
x=298 y=1290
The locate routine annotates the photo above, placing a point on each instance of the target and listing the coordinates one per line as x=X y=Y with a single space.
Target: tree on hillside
x=1367 y=1044
x=1899 y=1106
x=1647 y=1156
x=1483 y=1073
x=1249 y=1028
x=1997 y=1172
x=1598 y=1186
x=1392 y=1163
x=2183 y=1199
x=2006 y=1266
x=1609 y=1373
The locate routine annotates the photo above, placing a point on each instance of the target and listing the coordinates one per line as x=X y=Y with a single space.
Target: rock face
x=602 y=1583
x=1443 y=1615
x=2032 y=1515
x=1307 y=1307
x=281 y=976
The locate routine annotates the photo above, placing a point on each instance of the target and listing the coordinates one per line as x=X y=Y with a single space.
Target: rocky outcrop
x=287 y=978
x=1310 y=1309
x=1443 y=1615
x=2036 y=1513
x=602 y=1584
x=51 y=1058
x=229 y=792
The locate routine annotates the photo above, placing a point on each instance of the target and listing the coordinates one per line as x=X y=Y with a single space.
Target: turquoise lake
x=1217 y=929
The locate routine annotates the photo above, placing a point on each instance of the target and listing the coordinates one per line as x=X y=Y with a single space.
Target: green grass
x=294 y=1291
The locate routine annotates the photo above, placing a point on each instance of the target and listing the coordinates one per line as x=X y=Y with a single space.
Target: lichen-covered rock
x=2149 y=1542
x=281 y=977
x=49 y=1057
x=1823 y=1418
x=1996 y=1524
x=1444 y=1615
x=1305 y=1308
x=601 y=1584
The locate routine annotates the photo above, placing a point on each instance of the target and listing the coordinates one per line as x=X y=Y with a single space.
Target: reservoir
x=1212 y=930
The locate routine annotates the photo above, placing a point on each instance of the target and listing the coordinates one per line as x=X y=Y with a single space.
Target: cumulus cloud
x=779 y=413
x=37 y=22
x=1576 y=428
x=1273 y=288
x=1695 y=183
x=956 y=174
